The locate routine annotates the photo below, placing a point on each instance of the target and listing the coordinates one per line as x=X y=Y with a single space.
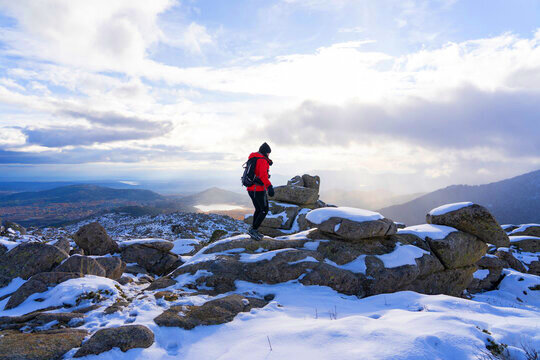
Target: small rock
x=124 y=337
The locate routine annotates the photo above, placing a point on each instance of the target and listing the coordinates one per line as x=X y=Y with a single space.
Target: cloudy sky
x=405 y=95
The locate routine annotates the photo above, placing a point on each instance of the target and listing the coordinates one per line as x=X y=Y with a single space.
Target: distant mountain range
x=78 y=193
x=515 y=200
x=373 y=199
x=216 y=195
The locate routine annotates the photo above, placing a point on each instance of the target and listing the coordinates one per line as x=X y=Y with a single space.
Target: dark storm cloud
x=63 y=136
x=105 y=127
x=463 y=119
x=82 y=155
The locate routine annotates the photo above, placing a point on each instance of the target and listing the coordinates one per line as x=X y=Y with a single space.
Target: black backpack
x=249 y=178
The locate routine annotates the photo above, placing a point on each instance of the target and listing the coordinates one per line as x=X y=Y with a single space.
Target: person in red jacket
x=259 y=192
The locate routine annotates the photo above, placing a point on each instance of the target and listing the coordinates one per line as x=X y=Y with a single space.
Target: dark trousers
x=260 y=201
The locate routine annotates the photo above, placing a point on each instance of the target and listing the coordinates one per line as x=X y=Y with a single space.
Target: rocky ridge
x=75 y=282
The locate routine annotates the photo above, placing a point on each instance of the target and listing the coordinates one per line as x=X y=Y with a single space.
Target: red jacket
x=261 y=171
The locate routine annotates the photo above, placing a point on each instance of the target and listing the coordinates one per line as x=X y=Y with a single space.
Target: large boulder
x=94 y=240
x=526 y=230
x=37 y=284
x=471 y=218
x=44 y=345
x=123 y=337
x=350 y=223
x=214 y=312
x=510 y=261
x=29 y=259
x=114 y=266
x=153 y=260
x=63 y=244
x=298 y=195
x=83 y=265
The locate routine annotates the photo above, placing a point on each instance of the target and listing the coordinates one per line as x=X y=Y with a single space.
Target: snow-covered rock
x=350 y=223
x=470 y=218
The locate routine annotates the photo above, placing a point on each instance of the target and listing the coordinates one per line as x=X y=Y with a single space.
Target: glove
x=271 y=191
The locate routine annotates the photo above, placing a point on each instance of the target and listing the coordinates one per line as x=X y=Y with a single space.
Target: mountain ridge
x=512 y=200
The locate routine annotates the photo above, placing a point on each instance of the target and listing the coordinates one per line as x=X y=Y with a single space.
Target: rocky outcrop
x=289 y=206
x=350 y=224
x=123 y=337
x=29 y=259
x=152 y=256
x=94 y=240
x=214 y=312
x=471 y=218
x=38 y=319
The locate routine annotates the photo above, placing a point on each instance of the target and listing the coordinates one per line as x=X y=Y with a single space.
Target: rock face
x=154 y=260
x=473 y=219
x=124 y=337
x=351 y=224
x=29 y=259
x=83 y=265
x=289 y=206
x=213 y=312
x=94 y=240
x=45 y=345
x=38 y=283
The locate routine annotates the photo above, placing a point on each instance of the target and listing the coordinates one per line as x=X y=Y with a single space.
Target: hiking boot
x=255 y=235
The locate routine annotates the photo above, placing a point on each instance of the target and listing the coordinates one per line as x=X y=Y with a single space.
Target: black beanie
x=265 y=149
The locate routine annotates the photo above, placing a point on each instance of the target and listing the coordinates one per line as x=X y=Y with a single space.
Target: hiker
x=261 y=188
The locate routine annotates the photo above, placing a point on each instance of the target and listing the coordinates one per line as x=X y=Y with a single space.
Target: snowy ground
x=312 y=322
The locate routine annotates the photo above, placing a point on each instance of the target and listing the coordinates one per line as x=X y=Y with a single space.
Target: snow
x=357 y=266
x=312 y=322
x=517 y=238
x=306 y=259
x=126 y=243
x=8 y=244
x=184 y=246
x=318 y=216
x=313 y=245
x=218 y=207
x=522 y=228
x=481 y=274
x=444 y=209
x=336 y=228
x=435 y=232
x=402 y=255
x=12 y=286
x=268 y=255
x=63 y=293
